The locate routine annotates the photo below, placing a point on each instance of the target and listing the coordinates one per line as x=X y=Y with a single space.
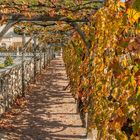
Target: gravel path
x=51 y=111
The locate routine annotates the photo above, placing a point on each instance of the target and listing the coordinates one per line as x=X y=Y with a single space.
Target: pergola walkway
x=51 y=111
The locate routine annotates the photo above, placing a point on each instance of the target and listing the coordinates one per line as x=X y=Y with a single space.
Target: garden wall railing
x=14 y=79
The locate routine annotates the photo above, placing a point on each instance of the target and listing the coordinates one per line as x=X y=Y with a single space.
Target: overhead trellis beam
x=44 y=25
x=44 y=18
x=7 y=27
x=82 y=35
x=41 y=18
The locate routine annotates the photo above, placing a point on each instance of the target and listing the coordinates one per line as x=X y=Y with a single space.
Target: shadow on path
x=51 y=111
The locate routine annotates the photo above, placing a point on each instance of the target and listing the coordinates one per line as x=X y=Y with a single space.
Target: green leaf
x=124 y=44
x=138 y=99
x=136 y=5
x=136 y=127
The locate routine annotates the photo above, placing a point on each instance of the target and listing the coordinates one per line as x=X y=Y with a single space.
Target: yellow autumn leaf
x=122 y=4
x=124 y=63
x=133 y=81
x=133 y=15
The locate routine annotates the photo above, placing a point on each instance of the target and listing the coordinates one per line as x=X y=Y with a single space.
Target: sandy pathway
x=51 y=111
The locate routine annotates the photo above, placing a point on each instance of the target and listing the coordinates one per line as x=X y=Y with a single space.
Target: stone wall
x=12 y=81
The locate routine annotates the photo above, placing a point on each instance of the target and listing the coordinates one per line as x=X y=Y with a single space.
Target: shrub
x=1 y=66
x=8 y=61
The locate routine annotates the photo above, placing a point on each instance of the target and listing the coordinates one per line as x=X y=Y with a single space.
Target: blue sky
x=123 y=0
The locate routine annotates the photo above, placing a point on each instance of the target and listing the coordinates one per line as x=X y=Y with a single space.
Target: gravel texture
x=51 y=110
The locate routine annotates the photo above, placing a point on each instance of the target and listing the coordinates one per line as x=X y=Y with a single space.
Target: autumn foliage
x=102 y=56
x=107 y=75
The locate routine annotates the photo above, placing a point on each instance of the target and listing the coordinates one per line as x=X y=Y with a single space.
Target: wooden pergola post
x=44 y=55
x=40 y=52
x=34 y=53
x=22 y=65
